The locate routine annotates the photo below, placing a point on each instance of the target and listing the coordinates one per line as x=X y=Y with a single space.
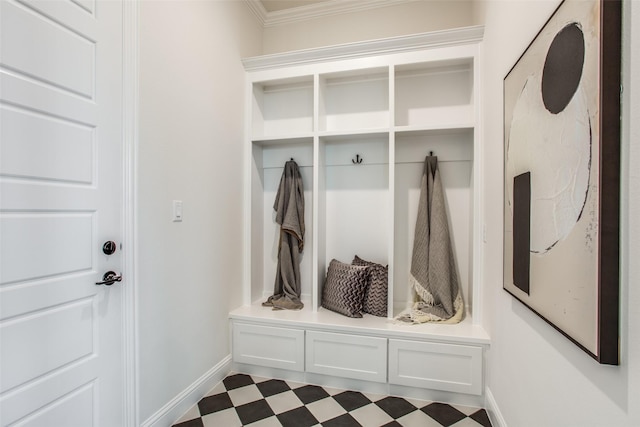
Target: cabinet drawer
x=447 y=367
x=349 y=356
x=267 y=346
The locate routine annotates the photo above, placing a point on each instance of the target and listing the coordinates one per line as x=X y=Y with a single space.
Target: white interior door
x=61 y=183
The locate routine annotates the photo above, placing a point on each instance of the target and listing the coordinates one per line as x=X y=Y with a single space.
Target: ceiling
x=277 y=5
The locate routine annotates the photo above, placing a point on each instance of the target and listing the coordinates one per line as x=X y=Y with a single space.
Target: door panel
x=54 y=243
x=73 y=69
x=61 y=184
x=42 y=147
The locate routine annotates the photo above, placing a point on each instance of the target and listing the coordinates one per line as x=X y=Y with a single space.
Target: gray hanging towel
x=433 y=278
x=289 y=207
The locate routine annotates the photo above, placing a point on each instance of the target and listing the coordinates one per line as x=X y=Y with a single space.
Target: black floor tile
x=271 y=387
x=237 y=381
x=443 y=413
x=481 y=417
x=351 y=400
x=197 y=422
x=254 y=411
x=215 y=403
x=310 y=393
x=396 y=407
x=299 y=417
x=344 y=420
x=393 y=423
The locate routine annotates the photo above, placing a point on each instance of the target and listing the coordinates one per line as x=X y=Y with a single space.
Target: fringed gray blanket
x=433 y=278
x=289 y=207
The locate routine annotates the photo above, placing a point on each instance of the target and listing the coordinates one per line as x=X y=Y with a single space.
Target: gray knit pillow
x=344 y=288
x=375 y=297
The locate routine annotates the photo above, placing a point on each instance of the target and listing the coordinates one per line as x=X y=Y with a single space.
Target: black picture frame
x=562 y=127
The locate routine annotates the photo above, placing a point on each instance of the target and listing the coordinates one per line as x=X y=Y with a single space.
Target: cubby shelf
x=359 y=120
x=389 y=116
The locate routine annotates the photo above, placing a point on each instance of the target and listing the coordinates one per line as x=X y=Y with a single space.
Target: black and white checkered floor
x=243 y=400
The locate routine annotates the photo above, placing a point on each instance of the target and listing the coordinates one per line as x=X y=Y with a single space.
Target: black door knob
x=109 y=278
x=109 y=247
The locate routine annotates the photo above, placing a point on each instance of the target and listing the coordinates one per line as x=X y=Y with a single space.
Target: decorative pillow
x=375 y=297
x=344 y=288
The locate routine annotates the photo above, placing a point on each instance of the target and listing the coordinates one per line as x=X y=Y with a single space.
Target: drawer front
x=349 y=356
x=447 y=367
x=267 y=346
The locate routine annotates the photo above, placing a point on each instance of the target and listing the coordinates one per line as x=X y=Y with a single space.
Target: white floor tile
x=243 y=395
x=192 y=413
x=467 y=410
x=325 y=409
x=371 y=415
x=466 y=422
x=267 y=422
x=418 y=419
x=283 y=402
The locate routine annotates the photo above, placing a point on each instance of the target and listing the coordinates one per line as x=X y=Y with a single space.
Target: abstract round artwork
x=550 y=137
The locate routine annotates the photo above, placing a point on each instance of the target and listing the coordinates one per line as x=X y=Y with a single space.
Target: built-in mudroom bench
x=359 y=120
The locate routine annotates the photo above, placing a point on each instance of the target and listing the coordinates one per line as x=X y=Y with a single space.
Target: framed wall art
x=562 y=175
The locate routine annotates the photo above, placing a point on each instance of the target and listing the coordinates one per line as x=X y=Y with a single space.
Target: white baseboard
x=495 y=416
x=179 y=405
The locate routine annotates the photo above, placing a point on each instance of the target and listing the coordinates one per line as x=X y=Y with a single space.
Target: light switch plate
x=177 y=211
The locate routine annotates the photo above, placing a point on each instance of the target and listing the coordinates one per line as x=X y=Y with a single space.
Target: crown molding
x=258 y=10
x=327 y=8
x=366 y=48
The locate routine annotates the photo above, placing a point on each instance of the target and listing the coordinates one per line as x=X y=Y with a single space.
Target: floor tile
x=310 y=393
x=294 y=385
x=191 y=414
x=299 y=417
x=351 y=400
x=266 y=422
x=246 y=394
x=283 y=402
x=481 y=417
x=236 y=381
x=393 y=423
x=215 y=403
x=197 y=422
x=467 y=410
x=344 y=420
x=254 y=411
x=325 y=409
x=396 y=407
x=271 y=387
x=219 y=388
x=466 y=422
x=226 y=418
x=371 y=415
x=417 y=419
x=443 y=413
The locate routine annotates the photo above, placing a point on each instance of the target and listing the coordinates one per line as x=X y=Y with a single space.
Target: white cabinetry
x=281 y=348
x=349 y=356
x=388 y=103
x=449 y=367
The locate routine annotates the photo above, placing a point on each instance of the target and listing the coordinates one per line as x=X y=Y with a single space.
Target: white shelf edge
x=325 y=320
x=336 y=134
x=398 y=44
x=444 y=127
x=265 y=139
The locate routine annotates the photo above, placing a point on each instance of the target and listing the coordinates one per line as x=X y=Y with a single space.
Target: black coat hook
x=357 y=160
x=431 y=153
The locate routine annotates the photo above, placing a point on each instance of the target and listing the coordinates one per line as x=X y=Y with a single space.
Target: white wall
x=536 y=376
x=393 y=20
x=190 y=148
